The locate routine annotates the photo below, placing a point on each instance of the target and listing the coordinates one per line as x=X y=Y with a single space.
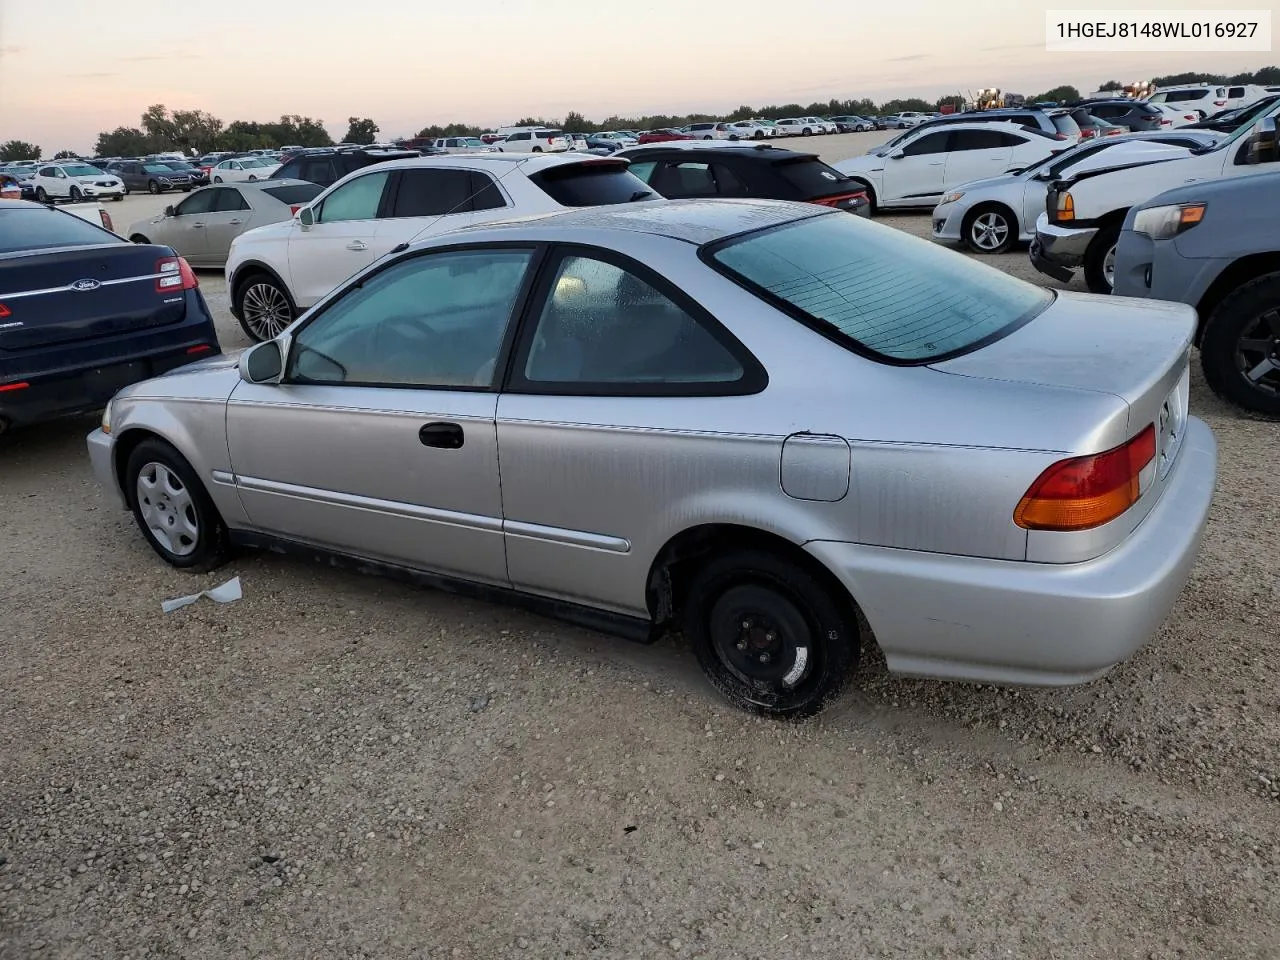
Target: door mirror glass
x=263 y=363
x=1262 y=142
x=169 y=211
x=306 y=216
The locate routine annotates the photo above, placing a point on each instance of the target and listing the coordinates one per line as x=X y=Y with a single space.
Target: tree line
x=160 y=129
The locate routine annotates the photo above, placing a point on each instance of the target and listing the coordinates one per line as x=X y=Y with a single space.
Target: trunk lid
x=1137 y=350
x=77 y=293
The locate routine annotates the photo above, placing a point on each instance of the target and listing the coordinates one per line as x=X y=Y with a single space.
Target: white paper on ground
x=222 y=593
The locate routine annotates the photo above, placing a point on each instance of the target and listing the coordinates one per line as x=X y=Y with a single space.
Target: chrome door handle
x=357 y=245
x=936 y=163
x=197 y=225
x=235 y=223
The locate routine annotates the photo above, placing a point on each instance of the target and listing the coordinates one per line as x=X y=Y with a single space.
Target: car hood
x=95 y=177
x=990 y=183
x=213 y=378
x=269 y=231
x=1132 y=349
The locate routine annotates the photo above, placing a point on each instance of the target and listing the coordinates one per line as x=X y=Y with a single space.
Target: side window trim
x=502 y=364
x=754 y=377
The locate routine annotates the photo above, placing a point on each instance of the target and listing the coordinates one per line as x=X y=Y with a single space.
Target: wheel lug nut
x=742 y=644
x=771 y=635
x=746 y=624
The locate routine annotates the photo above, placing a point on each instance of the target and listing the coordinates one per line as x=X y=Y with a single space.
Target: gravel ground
x=343 y=767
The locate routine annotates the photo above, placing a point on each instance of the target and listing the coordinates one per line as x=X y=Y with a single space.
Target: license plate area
x=105 y=381
x=1171 y=424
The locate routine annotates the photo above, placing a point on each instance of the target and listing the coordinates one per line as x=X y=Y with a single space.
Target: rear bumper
x=1058 y=251
x=993 y=621
x=81 y=376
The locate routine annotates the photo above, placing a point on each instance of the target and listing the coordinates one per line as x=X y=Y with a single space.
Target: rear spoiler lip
x=18 y=254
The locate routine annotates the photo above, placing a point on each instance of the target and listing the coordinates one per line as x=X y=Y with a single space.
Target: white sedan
x=926 y=163
x=76 y=181
x=463 y=145
x=242 y=168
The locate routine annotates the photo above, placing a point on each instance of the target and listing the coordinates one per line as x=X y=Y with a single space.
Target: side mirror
x=897 y=155
x=264 y=363
x=170 y=212
x=306 y=217
x=1263 y=146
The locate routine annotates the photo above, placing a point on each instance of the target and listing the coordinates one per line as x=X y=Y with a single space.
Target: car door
x=226 y=220
x=187 y=230
x=977 y=154
x=617 y=373
x=915 y=172
x=380 y=440
x=341 y=241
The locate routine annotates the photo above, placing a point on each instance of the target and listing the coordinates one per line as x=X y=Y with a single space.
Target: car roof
x=750 y=150
x=692 y=221
x=504 y=162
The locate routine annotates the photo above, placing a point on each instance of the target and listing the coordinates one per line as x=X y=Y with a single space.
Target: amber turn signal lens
x=1086 y=492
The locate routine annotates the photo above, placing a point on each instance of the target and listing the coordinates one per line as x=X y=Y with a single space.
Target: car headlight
x=952 y=197
x=1164 y=222
x=163 y=179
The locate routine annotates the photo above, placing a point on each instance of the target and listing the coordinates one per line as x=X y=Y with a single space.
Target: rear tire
x=173 y=510
x=217 y=179
x=769 y=635
x=537 y=149
x=806 y=132
x=153 y=187
x=1100 y=260
x=41 y=196
x=1250 y=315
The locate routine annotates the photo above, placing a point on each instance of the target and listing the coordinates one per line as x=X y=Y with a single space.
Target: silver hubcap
x=167 y=510
x=1109 y=268
x=266 y=310
x=989 y=231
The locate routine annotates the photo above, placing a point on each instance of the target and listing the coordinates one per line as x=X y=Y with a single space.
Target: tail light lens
x=843 y=202
x=1219 y=103
x=5 y=311
x=1166 y=123
x=1065 y=207
x=106 y=220
x=294 y=208
x=7 y=387
x=1086 y=492
x=175 y=274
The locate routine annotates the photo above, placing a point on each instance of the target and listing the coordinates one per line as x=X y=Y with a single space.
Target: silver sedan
x=202 y=226
x=744 y=420
x=989 y=216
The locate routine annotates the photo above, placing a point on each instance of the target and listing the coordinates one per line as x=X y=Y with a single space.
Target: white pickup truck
x=1084 y=214
x=92 y=211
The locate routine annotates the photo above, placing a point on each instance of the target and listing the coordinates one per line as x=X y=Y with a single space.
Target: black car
x=327 y=167
x=682 y=170
x=1228 y=121
x=1135 y=115
x=84 y=312
x=198 y=177
x=153 y=176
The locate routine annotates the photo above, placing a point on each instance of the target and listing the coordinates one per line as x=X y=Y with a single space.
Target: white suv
x=76 y=181
x=277 y=271
x=532 y=140
x=1203 y=99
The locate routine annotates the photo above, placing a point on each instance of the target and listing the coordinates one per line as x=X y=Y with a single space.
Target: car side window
x=229 y=200
x=356 y=199
x=46 y=172
x=436 y=320
x=604 y=329
x=1008 y=139
x=432 y=193
x=316 y=170
x=201 y=201
x=485 y=194
x=643 y=169
x=929 y=143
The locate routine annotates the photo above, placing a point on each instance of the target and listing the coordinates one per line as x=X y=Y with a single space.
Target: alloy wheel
x=266 y=310
x=167 y=509
x=990 y=230
x=1109 y=267
x=1257 y=352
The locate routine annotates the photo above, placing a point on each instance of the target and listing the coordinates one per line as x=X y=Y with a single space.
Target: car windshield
x=898 y=297
x=472 y=142
x=41 y=228
x=81 y=170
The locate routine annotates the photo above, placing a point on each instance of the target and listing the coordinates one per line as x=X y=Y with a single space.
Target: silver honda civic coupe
x=746 y=421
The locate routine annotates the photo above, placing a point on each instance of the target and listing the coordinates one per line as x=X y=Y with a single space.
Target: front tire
x=989 y=230
x=173 y=510
x=252 y=178
x=263 y=307
x=217 y=179
x=1240 y=347
x=769 y=635
x=75 y=196
x=537 y=149
x=806 y=132
x=1100 y=260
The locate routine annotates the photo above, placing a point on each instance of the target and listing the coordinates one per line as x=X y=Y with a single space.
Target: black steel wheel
x=1240 y=349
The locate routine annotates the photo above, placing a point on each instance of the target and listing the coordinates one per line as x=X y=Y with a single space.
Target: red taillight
x=6 y=387
x=1166 y=123
x=1219 y=103
x=175 y=274
x=1086 y=492
x=294 y=208
x=838 y=200
x=199 y=348
x=4 y=311
x=106 y=220
x=1059 y=136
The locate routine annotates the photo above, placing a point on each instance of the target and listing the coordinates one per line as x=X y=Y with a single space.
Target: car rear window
x=592 y=184
x=39 y=228
x=812 y=177
x=882 y=291
x=1181 y=96
x=1065 y=124
x=549 y=134
x=292 y=193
